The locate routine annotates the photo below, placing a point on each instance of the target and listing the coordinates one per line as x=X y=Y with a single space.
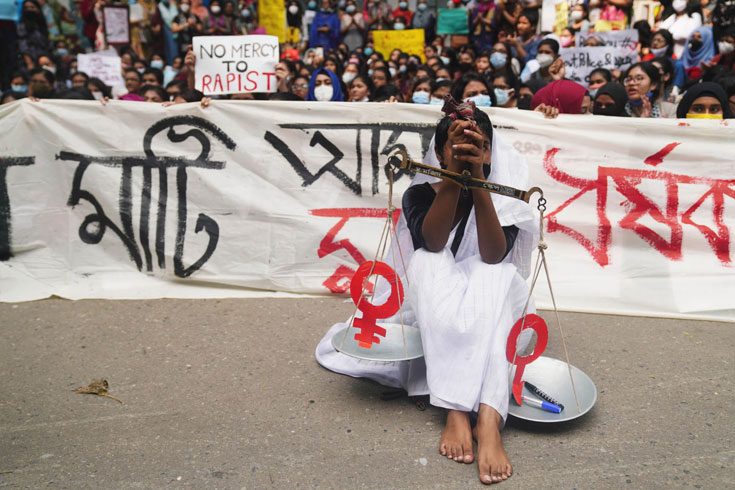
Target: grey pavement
x=226 y=394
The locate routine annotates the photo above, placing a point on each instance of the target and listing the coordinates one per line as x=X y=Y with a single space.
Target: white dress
x=463 y=307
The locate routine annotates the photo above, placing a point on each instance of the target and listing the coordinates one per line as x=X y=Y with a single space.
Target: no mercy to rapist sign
x=235 y=64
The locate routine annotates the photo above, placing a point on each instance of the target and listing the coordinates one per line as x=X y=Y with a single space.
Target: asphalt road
x=226 y=394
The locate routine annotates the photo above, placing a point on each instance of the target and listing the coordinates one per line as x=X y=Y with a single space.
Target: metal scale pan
x=552 y=377
x=390 y=348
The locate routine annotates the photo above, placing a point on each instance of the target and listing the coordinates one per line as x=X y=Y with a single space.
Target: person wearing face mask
x=474 y=87
x=399 y=24
x=547 y=66
x=578 y=18
x=351 y=71
x=421 y=91
x=699 y=50
x=643 y=84
x=685 y=19
x=402 y=11
x=324 y=86
x=526 y=92
x=662 y=45
x=32 y=32
x=352 y=26
x=247 y=19
x=598 y=78
x=186 y=25
x=610 y=100
x=566 y=39
x=325 y=27
x=726 y=50
x=216 y=23
x=505 y=87
x=704 y=100
x=294 y=21
x=424 y=19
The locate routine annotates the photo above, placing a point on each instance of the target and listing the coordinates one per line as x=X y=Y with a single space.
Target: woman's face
x=481 y=64
x=132 y=82
x=126 y=60
x=604 y=101
x=331 y=66
x=499 y=48
x=152 y=96
x=545 y=49
x=177 y=63
x=596 y=81
x=465 y=58
x=395 y=54
x=78 y=80
x=423 y=87
x=352 y=68
x=358 y=90
x=523 y=26
x=637 y=83
x=658 y=41
x=697 y=35
x=705 y=104
x=91 y=87
x=502 y=84
x=300 y=87
x=281 y=70
x=474 y=88
x=586 y=108
x=379 y=78
x=443 y=73
x=322 y=79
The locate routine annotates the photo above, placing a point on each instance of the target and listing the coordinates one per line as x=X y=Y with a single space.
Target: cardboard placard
x=235 y=64
x=117 y=26
x=103 y=66
x=410 y=41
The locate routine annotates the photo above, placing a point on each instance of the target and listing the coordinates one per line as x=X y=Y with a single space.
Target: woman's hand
x=473 y=150
x=646 y=107
x=548 y=111
x=557 y=70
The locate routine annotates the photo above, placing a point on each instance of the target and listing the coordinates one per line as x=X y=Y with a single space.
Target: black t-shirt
x=416 y=203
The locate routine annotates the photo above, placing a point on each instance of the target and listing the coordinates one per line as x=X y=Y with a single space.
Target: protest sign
x=272 y=17
x=452 y=21
x=247 y=199
x=609 y=25
x=561 y=20
x=117 y=27
x=627 y=38
x=410 y=41
x=579 y=62
x=235 y=64
x=103 y=66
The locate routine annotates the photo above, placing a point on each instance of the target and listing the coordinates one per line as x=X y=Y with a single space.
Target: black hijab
x=618 y=94
x=704 y=89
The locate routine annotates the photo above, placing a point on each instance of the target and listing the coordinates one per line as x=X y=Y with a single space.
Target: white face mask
x=97 y=95
x=659 y=51
x=293 y=9
x=348 y=77
x=323 y=93
x=725 y=47
x=216 y=9
x=679 y=5
x=544 y=60
x=577 y=15
x=184 y=7
x=50 y=68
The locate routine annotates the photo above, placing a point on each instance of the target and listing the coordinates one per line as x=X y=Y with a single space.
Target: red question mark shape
x=533 y=322
x=370 y=312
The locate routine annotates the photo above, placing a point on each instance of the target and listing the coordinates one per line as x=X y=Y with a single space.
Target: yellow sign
x=609 y=25
x=272 y=15
x=410 y=42
x=561 y=20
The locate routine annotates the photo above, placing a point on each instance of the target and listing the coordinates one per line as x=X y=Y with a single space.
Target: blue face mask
x=501 y=96
x=368 y=51
x=593 y=92
x=311 y=5
x=435 y=101
x=498 y=60
x=480 y=100
x=62 y=51
x=638 y=102
x=157 y=64
x=19 y=88
x=398 y=26
x=420 y=97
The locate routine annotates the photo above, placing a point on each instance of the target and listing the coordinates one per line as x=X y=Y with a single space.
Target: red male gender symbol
x=533 y=322
x=370 y=312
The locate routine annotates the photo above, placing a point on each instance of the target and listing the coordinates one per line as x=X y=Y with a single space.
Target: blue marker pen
x=549 y=407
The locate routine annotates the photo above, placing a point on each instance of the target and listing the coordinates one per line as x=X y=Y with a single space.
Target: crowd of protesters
x=686 y=65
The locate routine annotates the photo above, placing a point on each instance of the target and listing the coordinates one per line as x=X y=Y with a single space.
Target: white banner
x=627 y=38
x=580 y=62
x=235 y=64
x=144 y=201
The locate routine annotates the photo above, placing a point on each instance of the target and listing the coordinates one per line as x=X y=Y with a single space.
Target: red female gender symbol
x=533 y=322
x=370 y=312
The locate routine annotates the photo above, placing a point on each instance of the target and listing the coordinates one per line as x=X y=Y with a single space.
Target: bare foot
x=492 y=461
x=456 y=441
